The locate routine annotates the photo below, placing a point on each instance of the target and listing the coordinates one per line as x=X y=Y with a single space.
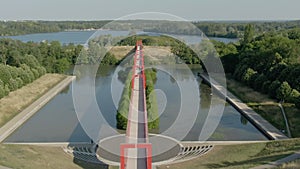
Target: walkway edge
x=264 y=126
x=279 y=162
x=28 y=112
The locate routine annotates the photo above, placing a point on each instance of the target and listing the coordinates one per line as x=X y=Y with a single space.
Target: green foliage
x=297 y=102
x=295 y=94
x=109 y=59
x=248 y=75
x=273 y=88
x=13 y=84
x=19 y=82
x=6 y=90
x=151 y=101
x=61 y=65
x=284 y=91
x=248 y=34
x=122 y=112
x=152 y=108
x=8 y=28
x=35 y=73
x=5 y=75
x=268 y=63
x=2 y=91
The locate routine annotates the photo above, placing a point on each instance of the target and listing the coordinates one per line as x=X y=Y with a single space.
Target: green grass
x=266 y=107
x=222 y=156
x=28 y=157
x=293 y=116
x=240 y=156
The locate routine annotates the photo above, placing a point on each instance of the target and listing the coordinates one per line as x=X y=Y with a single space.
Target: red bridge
x=136 y=153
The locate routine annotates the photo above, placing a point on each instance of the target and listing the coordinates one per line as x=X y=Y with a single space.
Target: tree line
x=227 y=29
x=11 y=28
x=269 y=62
x=21 y=63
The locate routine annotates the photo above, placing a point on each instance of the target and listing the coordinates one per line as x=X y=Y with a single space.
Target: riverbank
x=33 y=96
x=264 y=126
x=267 y=108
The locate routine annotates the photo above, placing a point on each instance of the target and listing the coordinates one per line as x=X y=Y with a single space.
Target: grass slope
x=17 y=100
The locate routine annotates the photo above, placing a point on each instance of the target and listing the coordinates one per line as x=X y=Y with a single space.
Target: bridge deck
x=136 y=126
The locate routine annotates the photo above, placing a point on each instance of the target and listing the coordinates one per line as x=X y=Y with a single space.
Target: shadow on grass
x=87 y=161
x=252 y=161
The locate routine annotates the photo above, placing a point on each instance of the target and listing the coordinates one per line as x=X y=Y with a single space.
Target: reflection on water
x=57 y=121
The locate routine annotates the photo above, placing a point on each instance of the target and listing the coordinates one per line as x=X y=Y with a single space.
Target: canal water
x=57 y=121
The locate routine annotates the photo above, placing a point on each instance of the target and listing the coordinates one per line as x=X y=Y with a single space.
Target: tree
x=293 y=96
x=297 y=102
x=248 y=75
x=273 y=88
x=13 y=84
x=61 y=65
x=5 y=75
x=284 y=91
x=248 y=34
x=2 y=91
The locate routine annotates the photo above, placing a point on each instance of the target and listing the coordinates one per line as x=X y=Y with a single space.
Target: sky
x=195 y=10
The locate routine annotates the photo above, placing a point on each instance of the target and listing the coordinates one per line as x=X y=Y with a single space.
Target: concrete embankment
x=28 y=112
x=264 y=126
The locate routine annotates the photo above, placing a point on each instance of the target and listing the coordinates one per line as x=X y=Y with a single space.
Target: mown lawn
x=240 y=156
x=29 y=157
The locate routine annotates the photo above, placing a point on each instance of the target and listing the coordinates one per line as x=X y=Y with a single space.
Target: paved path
x=277 y=163
x=286 y=121
x=268 y=129
x=28 y=112
x=136 y=130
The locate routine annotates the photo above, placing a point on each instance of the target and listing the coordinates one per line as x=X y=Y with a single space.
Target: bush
x=273 y=88
x=35 y=73
x=42 y=71
x=13 y=84
x=20 y=82
x=247 y=76
x=2 y=91
x=284 y=91
x=5 y=75
x=293 y=96
x=6 y=90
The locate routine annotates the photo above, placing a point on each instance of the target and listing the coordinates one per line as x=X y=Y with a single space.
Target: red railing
x=148 y=146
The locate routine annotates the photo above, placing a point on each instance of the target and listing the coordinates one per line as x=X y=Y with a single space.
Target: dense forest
x=269 y=62
x=227 y=29
x=21 y=63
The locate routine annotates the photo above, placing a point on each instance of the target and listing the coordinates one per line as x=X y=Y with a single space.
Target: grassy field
x=28 y=157
x=240 y=156
x=266 y=107
x=222 y=156
x=154 y=52
x=16 y=101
